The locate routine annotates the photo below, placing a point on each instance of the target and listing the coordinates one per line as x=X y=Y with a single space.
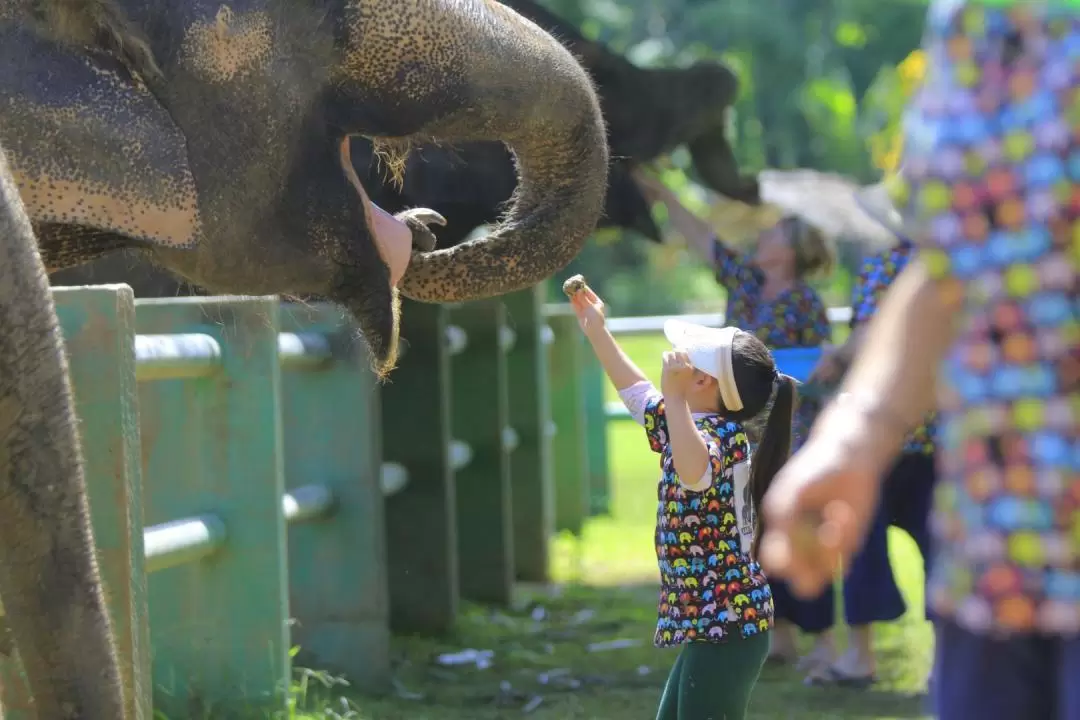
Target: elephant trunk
x=562 y=180
x=502 y=78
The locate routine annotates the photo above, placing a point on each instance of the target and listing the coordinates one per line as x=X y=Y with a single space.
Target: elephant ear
x=90 y=147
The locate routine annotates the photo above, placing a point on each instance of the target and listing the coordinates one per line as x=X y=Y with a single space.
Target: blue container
x=797 y=362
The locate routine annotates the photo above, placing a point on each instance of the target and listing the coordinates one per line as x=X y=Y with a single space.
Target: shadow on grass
x=579 y=652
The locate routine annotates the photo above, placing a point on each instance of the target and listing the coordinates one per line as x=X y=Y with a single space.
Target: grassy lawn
x=582 y=649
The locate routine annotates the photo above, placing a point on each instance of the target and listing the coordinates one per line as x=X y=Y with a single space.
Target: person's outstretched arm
x=698 y=233
x=617 y=365
x=731 y=269
x=892 y=380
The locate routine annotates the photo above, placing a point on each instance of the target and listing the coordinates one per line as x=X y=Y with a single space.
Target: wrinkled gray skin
x=49 y=581
x=227 y=168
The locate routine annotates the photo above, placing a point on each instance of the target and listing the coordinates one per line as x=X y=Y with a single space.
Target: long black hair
x=757 y=378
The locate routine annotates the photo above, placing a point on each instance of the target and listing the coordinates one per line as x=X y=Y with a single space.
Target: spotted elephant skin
x=649 y=112
x=49 y=580
x=232 y=168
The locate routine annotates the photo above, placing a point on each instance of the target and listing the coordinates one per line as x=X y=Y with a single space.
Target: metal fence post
x=333 y=446
x=570 y=444
x=99 y=334
x=480 y=412
x=593 y=383
x=213 y=444
x=421 y=528
x=530 y=416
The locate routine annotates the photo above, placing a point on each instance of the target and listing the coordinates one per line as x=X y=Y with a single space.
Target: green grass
x=606 y=590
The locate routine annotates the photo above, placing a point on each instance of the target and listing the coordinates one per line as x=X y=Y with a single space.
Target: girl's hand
x=589 y=309
x=677 y=375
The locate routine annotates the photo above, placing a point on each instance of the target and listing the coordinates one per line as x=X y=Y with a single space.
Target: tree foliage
x=823 y=87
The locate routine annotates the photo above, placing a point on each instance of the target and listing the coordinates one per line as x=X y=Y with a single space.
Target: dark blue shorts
x=871 y=594
x=1022 y=678
x=870 y=590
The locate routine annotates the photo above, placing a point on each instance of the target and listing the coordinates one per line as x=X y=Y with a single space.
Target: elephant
x=49 y=580
x=230 y=162
x=649 y=112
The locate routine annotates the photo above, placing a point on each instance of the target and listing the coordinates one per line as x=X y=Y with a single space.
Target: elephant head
x=228 y=160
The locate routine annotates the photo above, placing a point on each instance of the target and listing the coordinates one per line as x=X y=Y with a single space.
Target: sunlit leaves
x=850 y=34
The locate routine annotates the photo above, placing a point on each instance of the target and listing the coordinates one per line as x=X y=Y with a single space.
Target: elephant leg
x=49 y=580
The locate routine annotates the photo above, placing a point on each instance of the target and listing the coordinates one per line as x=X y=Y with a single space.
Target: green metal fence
x=254 y=488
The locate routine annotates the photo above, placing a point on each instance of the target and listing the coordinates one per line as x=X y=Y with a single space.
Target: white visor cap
x=709 y=350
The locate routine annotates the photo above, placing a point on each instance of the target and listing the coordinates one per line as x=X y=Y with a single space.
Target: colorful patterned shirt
x=876 y=274
x=990 y=193
x=795 y=318
x=710 y=588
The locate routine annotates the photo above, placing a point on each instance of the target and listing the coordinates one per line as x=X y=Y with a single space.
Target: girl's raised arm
x=619 y=368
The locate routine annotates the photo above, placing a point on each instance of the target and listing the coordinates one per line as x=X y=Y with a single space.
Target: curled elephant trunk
x=516 y=84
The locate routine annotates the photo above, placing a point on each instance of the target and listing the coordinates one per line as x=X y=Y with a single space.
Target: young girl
x=714 y=599
x=769 y=295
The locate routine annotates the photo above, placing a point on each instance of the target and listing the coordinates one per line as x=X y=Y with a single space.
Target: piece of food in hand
x=573 y=285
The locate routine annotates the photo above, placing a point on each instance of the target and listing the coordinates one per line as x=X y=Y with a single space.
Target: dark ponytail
x=772 y=452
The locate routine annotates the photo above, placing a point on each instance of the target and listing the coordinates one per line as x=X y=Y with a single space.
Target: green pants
x=712 y=681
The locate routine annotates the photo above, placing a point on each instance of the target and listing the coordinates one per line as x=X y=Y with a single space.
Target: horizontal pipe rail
x=307 y=503
x=172 y=357
x=459 y=454
x=304 y=351
x=507 y=338
x=652 y=324
x=547 y=335
x=196 y=355
x=393 y=477
x=510 y=439
x=182 y=541
x=456 y=339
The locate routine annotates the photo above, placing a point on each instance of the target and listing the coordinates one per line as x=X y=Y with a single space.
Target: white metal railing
x=650 y=324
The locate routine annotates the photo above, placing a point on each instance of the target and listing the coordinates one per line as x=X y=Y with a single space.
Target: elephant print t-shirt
x=710 y=588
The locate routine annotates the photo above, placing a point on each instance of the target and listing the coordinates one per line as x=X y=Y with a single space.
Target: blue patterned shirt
x=876 y=274
x=794 y=319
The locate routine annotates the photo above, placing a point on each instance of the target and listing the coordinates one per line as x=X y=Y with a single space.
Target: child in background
x=714 y=601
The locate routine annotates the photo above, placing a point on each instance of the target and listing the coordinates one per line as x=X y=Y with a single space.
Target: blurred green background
x=823 y=84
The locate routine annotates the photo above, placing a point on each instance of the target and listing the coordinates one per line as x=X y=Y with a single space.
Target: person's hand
x=650 y=187
x=829 y=368
x=677 y=374
x=820 y=504
x=590 y=310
